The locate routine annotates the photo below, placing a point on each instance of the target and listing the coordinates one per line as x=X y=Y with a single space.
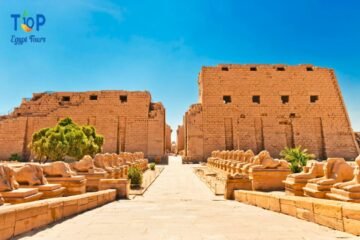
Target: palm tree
x=297 y=157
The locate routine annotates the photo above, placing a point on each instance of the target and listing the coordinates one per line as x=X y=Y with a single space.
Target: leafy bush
x=65 y=139
x=15 y=157
x=135 y=175
x=297 y=158
x=152 y=166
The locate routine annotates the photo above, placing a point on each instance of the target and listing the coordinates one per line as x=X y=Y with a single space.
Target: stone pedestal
x=118 y=173
x=268 y=179
x=122 y=186
x=237 y=182
x=48 y=190
x=316 y=190
x=21 y=195
x=73 y=185
x=294 y=187
x=93 y=180
x=343 y=195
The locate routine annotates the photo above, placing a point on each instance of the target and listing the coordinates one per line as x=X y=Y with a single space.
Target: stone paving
x=179 y=206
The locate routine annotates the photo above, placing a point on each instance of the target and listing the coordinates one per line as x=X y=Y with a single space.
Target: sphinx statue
x=264 y=161
x=61 y=173
x=234 y=161
x=266 y=173
x=211 y=160
x=57 y=169
x=223 y=158
x=336 y=170
x=249 y=158
x=215 y=159
x=113 y=163
x=231 y=155
x=348 y=191
x=7 y=179
x=135 y=159
x=93 y=174
x=236 y=167
x=10 y=191
x=32 y=176
x=295 y=182
x=354 y=184
x=85 y=165
x=101 y=161
x=120 y=162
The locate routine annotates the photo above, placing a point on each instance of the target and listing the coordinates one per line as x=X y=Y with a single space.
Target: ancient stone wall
x=168 y=132
x=129 y=121
x=180 y=138
x=269 y=107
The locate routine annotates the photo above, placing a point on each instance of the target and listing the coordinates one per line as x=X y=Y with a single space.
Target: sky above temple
x=160 y=46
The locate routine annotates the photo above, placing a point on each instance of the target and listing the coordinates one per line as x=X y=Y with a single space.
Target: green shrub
x=296 y=157
x=152 y=166
x=15 y=157
x=135 y=175
x=66 y=139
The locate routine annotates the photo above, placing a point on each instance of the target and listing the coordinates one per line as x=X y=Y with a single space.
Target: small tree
x=65 y=139
x=297 y=158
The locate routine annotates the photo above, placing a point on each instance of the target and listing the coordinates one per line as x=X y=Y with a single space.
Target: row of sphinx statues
x=239 y=161
x=257 y=172
x=334 y=178
x=33 y=181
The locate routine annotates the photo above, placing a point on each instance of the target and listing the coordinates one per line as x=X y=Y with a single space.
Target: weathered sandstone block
x=236 y=182
x=122 y=186
x=21 y=218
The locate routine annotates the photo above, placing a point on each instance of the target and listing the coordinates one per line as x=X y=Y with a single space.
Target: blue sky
x=160 y=46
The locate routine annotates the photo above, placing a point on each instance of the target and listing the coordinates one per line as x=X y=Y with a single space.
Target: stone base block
x=318 y=187
x=333 y=223
x=48 y=190
x=294 y=189
x=21 y=195
x=351 y=218
x=93 y=180
x=305 y=214
x=316 y=191
x=342 y=195
x=73 y=185
x=342 y=216
x=122 y=186
x=21 y=218
x=268 y=179
x=237 y=182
